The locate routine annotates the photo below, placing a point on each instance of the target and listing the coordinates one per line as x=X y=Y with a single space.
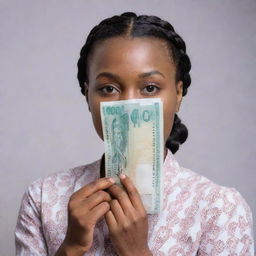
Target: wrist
x=145 y=252
x=70 y=250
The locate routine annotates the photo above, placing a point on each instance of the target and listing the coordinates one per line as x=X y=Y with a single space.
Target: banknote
x=133 y=140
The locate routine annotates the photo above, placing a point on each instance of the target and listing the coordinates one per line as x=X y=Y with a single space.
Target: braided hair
x=130 y=25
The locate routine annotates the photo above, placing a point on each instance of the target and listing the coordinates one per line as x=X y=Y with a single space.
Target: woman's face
x=121 y=68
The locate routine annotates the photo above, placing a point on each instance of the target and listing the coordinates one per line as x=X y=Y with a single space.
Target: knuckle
x=105 y=205
x=113 y=202
x=139 y=218
x=135 y=219
x=143 y=214
x=102 y=195
x=125 y=227
x=129 y=182
x=99 y=183
x=133 y=191
x=103 y=181
x=74 y=213
x=71 y=204
x=143 y=217
x=121 y=194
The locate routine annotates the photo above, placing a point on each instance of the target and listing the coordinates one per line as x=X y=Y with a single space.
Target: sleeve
x=29 y=238
x=228 y=225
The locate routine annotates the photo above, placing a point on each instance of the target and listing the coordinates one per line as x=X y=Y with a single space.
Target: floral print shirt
x=199 y=217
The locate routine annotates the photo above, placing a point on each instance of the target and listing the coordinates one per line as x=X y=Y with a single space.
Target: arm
x=29 y=238
x=228 y=226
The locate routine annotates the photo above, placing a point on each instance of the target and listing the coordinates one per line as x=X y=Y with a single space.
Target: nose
x=130 y=92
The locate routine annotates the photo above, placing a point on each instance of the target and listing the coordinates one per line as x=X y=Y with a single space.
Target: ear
x=179 y=90
x=86 y=89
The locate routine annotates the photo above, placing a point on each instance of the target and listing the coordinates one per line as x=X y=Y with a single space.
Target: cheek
x=94 y=106
x=168 y=109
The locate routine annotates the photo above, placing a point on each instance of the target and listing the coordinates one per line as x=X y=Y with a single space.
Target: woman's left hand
x=127 y=220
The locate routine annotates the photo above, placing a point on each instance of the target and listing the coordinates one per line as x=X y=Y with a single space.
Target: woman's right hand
x=86 y=206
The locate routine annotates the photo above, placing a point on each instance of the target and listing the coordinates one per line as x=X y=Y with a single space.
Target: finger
x=93 y=187
x=122 y=197
x=95 y=199
x=117 y=211
x=110 y=220
x=132 y=192
x=97 y=212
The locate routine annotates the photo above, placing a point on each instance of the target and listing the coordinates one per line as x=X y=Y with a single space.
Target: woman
x=78 y=213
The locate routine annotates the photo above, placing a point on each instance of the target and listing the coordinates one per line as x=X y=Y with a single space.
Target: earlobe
x=179 y=90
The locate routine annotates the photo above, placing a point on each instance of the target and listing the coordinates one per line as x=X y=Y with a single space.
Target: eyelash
x=151 y=85
x=104 y=88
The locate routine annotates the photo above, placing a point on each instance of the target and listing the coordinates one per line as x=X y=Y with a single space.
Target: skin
x=121 y=68
x=129 y=60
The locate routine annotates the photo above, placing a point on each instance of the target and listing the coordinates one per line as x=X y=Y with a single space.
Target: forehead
x=122 y=53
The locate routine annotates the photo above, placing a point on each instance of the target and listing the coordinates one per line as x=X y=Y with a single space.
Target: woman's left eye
x=150 y=89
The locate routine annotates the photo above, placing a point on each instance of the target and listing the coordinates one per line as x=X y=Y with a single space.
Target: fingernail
x=111 y=180
x=122 y=176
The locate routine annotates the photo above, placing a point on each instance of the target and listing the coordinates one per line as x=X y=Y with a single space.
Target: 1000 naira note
x=133 y=139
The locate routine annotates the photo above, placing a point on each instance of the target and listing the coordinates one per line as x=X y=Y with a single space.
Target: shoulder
x=182 y=185
x=223 y=199
x=60 y=182
x=226 y=217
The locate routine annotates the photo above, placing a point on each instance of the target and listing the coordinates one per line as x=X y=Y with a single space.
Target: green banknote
x=133 y=139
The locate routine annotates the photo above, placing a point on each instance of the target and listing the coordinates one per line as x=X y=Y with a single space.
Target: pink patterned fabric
x=199 y=216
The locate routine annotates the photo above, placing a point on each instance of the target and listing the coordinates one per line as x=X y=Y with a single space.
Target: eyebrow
x=150 y=73
x=142 y=75
x=107 y=74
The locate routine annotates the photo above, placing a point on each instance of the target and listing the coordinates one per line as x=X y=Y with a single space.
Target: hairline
x=129 y=36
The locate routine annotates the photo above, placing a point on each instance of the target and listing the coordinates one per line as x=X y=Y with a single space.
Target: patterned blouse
x=199 y=217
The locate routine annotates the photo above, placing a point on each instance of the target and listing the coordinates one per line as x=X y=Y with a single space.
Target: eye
x=150 y=89
x=108 y=89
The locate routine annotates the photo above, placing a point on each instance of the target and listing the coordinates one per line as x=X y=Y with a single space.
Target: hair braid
x=129 y=24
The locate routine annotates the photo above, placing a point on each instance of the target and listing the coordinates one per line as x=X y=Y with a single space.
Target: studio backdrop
x=45 y=123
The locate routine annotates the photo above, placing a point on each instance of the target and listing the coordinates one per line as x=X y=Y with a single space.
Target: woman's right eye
x=108 y=89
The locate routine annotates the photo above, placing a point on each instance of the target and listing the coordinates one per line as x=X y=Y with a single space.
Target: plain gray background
x=45 y=123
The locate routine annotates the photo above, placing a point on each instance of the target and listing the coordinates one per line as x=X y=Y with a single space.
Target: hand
x=86 y=206
x=127 y=220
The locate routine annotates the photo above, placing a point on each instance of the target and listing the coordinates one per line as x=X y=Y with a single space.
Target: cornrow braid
x=130 y=25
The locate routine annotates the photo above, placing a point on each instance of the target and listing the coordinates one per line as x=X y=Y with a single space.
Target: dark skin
x=121 y=68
